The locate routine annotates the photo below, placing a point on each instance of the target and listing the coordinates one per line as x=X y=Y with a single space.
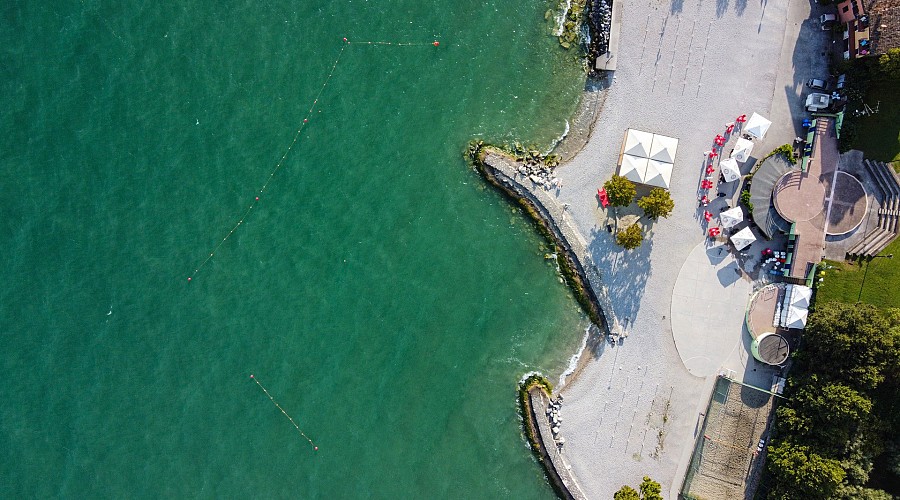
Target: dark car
x=815 y=83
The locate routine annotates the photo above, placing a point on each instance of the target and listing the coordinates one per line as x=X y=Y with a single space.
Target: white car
x=817 y=102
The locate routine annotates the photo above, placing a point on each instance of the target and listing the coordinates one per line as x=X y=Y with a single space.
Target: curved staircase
x=764 y=214
x=888 y=215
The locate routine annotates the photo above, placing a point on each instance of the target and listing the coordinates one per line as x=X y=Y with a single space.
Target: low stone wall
x=557 y=472
x=583 y=276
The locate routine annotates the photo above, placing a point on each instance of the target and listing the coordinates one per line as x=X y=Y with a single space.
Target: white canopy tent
x=633 y=168
x=663 y=148
x=730 y=170
x=637 y=143
x=796 y=317
x=742 y=150
x=648 y=158
x=757 y=126
x=800 y=296
x=659 y=173
x=731 y=217
x=743 y=238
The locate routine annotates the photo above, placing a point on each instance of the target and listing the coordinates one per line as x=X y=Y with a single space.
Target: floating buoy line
x=315 y=448
x=296 y=138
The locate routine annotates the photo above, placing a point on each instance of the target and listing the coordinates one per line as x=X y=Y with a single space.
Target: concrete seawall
x=557 y=471
x=502 y=170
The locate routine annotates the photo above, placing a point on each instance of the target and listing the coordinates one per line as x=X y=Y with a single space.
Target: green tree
x=621 y=191
x=851 y=343
x=626 y=493
x=802 y=474
x=657 y=204
x=824 y=415
x=631 y=237
x=889 y=65
x=650 y=489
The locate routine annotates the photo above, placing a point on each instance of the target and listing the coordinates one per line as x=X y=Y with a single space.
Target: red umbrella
x=707 y=215
x=704 y=199
x=713 y=231
x=720 y=141
x=729 y=128
x=741 y=119
x=710 y=169
x=713 y=154
x=706 y=184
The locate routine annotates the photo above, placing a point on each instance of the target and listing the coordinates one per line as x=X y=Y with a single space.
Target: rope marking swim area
x=295 y=139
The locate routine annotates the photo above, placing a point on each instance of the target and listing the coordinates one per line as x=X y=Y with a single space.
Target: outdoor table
x=710 y=169
x=729 y=128
x=707 y=215
x=741 y=119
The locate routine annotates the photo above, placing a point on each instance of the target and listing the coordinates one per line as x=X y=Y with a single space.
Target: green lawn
x=879 y=134
x=882 y=281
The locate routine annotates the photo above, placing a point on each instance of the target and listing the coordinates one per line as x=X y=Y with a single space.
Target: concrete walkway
x=708 y=306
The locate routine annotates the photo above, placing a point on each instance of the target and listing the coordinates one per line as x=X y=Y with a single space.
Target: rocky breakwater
x=533 y=185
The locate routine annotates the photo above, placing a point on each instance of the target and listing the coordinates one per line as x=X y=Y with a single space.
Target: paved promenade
x=684 y=70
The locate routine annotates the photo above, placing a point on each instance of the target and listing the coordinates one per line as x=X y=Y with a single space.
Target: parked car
x=817 y=102
x=827 y=18
x=841 y=82
x=815 y=83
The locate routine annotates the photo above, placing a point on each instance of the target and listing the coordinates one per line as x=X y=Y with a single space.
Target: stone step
x=860 y=248
x=892 y=174
x=883 y=184
x=880 y=244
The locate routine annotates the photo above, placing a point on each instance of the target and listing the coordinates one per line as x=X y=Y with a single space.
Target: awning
x=796 y=318
x=800 y=296
x=659 y=173
x=742 y=150
x=743 y=238
x=633 y=168
x=637 y=143
x=730 y=169
x=757 y=126
x=663 y=148
x=731 y=217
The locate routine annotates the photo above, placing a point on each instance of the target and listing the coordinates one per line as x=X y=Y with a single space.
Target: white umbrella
x=800 y=296
x=637 y=143
x=633 y=168
x=796 y=317
x=730 y=169
x=663 y=148
x=757 y=126
x=731 y=217
x=658 y=173
x=742 y=150
x=743 y=238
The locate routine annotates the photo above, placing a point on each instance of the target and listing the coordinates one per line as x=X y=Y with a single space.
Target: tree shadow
x=677 y=6
x=721 y=7
x=624 y=272
x=740 y=6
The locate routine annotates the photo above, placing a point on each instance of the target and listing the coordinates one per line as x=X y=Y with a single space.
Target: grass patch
x=843 y=283
x=878 y=135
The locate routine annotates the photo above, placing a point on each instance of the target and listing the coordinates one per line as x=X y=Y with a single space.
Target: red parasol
x=714 y=231
x=741 y=119
x=720 y=141
x=706 y=184
x=729 y=128
x=710 y=169
x=713 y=154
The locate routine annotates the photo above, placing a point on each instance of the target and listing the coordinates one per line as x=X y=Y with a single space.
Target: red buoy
x=257 y=198
x=345 y=39
x=189 y=279
x=305 y=120
x=316 y=448
x=251 y=375
x=436 y=43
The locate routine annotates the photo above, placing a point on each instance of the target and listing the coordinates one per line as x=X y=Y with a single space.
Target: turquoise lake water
x=384 y=296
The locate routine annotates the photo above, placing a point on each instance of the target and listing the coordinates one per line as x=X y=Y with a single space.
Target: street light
x=866 y=273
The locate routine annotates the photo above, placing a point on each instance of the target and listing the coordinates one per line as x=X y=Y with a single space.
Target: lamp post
x=866 y=273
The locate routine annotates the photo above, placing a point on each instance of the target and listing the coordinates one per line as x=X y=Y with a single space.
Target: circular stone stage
x=849 y=205
x=798 y=196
